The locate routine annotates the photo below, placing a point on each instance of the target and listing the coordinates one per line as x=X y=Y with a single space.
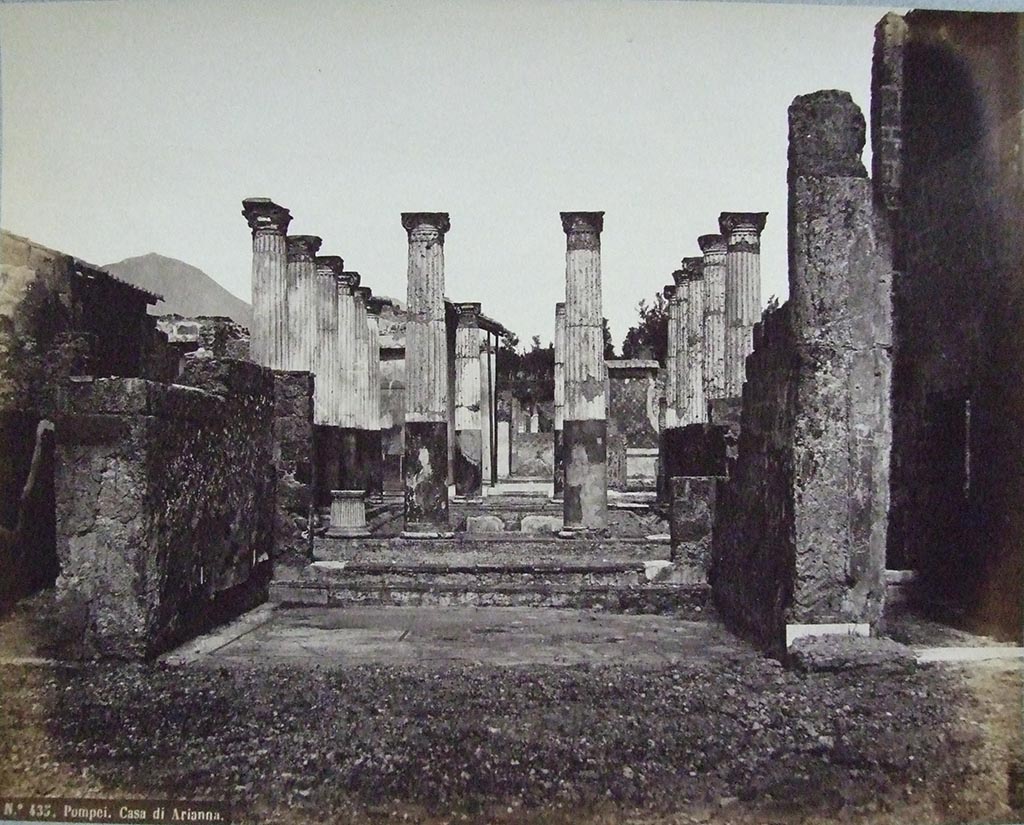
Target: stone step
x=622 y=587
x=491 y=547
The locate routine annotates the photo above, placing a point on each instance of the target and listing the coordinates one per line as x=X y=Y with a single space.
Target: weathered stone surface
x=269 y=224
x=584 y=429
x=947 y=134
x=692 y=523
x=540 y=524
x=831 y=653
x=800 y=526
x=426 y=476
x=175 y=515
x=293 y=440
x=484 y=524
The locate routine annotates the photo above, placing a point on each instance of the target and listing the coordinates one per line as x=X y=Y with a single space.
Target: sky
x=139 y=126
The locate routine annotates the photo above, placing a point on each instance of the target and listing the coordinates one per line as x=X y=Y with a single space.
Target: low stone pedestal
x=348 y=514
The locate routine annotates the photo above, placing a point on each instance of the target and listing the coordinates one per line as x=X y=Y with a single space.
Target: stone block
x=540 y=524
x=834 y=653
x=484 y=524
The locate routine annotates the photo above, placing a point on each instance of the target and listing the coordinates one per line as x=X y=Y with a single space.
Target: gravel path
x=736 y=739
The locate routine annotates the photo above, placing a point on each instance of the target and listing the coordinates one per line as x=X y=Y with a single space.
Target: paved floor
x=421 y=635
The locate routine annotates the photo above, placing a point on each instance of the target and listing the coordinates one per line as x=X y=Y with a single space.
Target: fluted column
x=585 y=502
x=693 y=409
x=301 y=301
x=486 y=410
x=426 y=368
x=347 y=411
x=713 y=247
x=468 y=435
x=674 y=297
x=374 y=442
x=326 y=355
x=742 y=231
x=269 y=225
x=559 y=447
x=361 y=388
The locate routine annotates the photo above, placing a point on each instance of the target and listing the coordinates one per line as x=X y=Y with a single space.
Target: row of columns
x=311 y=315
x=713 y=304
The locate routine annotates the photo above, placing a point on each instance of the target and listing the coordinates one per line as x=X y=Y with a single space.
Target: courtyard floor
x=511 y=715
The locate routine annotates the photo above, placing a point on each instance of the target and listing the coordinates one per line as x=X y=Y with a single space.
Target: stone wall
x=292 y=457
x=947 y=128
x=800 y=527
x=165 y=503
x=59 y=316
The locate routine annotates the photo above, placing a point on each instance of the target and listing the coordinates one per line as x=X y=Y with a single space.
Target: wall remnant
x=165 y=498
x=800 y=527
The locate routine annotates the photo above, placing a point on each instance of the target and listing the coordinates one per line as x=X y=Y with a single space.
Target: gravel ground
x=736 y=740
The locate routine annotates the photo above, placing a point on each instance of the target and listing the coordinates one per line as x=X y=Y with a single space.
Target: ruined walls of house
x=292 y=437
x=633 y=397
x=800 y=527
x=59 y=316
x=165 y=504
x=946 y=128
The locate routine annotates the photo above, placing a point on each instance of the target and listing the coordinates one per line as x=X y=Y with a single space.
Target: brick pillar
x=693 y=407
x=301 y=300
x=584 y=426
x=468 y=421
x=426 y=367
x=713 y=247
x=374 y=441
x=559 y=453
x=269 y=225
x=742 y=232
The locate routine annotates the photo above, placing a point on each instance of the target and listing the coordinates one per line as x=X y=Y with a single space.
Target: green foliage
x=649 y=337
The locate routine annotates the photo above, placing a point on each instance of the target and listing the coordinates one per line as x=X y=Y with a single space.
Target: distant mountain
x=187 y=291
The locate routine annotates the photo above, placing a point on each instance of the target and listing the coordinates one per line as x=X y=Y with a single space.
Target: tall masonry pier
x=584 y=426
x=425 y=469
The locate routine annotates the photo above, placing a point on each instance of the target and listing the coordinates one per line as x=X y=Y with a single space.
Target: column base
x=348 y=514
x=425 y=474
x=585 y=495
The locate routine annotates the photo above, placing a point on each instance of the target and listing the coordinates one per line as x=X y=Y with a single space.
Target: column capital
x=426 y=225
x=469 y=313
x=329 y=265
x=346 y=282
x=693 y=268
x=712 y=244
x=669 y=291
x=582 y=222
x=265 y=217
x=302 y=247
x=559 y=308
x=679 y=277
x=363 y=293
x=742 y=230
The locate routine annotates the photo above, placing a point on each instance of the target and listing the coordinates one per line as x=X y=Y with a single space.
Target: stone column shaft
x=742 y=232
x=426 y=369
x=325 y=364
x=345 y=400
x=559 y=453
x=693 y=407
x=269 y=224
x=375 y=443
x=468 y=421
x=584 y=425
x=486 y=410
x=714 y=249
x=302 y=321
x=672 y=356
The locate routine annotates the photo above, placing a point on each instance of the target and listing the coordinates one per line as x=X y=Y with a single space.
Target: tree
x=609 y=347
x=649 y=338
